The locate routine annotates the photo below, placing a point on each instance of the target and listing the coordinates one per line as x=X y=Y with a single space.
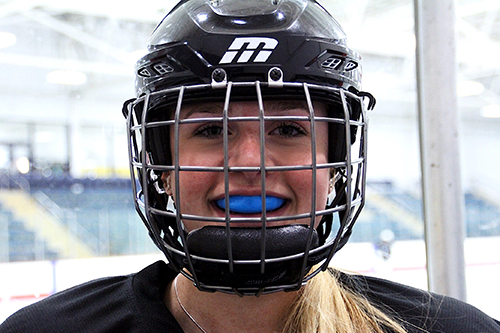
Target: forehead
x=274 y=107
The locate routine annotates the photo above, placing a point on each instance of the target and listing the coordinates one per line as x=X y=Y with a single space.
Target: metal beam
x=131 y=11
x=439 y=145
x=78 y=35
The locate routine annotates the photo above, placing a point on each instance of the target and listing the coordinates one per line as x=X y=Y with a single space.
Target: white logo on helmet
x=249 y=49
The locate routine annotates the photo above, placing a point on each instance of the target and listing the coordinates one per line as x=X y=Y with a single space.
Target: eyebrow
x=272 y=106
x=287 y=105
x=204 y=108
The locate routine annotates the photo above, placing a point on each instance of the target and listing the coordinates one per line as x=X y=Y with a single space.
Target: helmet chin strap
x=247 y=278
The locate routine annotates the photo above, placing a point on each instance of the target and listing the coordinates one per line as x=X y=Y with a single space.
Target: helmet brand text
x=249 y=49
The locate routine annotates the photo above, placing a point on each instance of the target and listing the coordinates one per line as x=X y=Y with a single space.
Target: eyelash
x=205 y=130
x=300 y=131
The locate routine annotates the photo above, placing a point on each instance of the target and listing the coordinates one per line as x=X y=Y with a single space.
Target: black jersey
x=134 y=303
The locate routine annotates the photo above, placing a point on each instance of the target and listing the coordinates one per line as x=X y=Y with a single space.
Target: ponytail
x=325 y=306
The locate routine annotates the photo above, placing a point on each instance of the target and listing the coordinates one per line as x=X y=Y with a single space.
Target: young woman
x=248 y=151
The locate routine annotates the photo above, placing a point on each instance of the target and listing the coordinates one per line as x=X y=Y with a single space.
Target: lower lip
x=278 y=212
x=258 y=222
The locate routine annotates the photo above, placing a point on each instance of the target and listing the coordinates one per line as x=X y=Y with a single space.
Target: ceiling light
x=66 y=77
x=469 y=88
x=7 y=39
x=23 y=165
x=491 y=111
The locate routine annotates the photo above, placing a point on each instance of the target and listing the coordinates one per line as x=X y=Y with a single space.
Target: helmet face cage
x=239 y=260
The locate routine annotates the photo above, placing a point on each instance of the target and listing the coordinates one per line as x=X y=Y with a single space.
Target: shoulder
x=418 y=309
x=120 y=304
x=71 y=307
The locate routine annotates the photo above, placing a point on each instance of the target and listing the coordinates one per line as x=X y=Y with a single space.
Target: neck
x=219 y=312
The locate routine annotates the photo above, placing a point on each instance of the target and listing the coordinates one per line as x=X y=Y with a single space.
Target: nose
x=244 y=148
x=245 y=151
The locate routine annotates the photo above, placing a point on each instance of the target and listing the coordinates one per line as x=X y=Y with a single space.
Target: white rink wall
x=407 y=265
x=22 y=283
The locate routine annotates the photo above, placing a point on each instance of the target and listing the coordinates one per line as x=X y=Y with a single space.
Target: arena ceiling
x=103 y=39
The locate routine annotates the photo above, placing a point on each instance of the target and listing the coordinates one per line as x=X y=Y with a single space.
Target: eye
x=210 y=131
x=288 y=130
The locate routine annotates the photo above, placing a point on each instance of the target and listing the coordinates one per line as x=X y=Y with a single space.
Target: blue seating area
x=372 y=222
x=101 y=213
x=19 y=244
x=483 y=218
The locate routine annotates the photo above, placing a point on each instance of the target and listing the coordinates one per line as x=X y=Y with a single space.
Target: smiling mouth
x=244 y=204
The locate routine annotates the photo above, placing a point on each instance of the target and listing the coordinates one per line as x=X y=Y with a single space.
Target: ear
x=166 y=179
x=332 y=180
x=333 y=172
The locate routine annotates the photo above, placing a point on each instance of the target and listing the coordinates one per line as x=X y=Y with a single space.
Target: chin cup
x=284 y=255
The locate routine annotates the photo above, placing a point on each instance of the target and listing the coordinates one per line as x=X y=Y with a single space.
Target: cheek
x=322 y=191
x=322 y=143
x=301 y=183
x=323 y=175
x=192 y=185
x=323 y=187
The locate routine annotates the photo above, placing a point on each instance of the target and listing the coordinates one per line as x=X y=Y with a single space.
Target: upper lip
x=249 y=193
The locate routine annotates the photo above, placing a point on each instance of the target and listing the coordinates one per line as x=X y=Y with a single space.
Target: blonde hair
x=325 y=306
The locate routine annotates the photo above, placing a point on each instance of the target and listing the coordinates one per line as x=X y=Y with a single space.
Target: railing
x=8 y=181
x=67 y=216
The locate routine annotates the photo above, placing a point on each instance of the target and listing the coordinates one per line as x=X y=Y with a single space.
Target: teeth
x=250 y=204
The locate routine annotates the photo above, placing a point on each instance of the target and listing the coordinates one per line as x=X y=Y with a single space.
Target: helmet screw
x=219 y=75
x=275 y=74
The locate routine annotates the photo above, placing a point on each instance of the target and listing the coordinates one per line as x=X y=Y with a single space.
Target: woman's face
x=287 y=143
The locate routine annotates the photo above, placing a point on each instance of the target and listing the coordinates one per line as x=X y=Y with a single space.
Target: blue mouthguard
x=250 y=204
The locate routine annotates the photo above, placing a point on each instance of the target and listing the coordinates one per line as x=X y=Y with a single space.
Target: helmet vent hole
x=332 y=63
x=350 y=66
x=163 y=68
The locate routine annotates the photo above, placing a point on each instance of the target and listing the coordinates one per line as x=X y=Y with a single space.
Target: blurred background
x=66 y=205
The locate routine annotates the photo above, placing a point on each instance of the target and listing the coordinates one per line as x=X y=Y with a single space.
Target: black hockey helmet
x=252 y=50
